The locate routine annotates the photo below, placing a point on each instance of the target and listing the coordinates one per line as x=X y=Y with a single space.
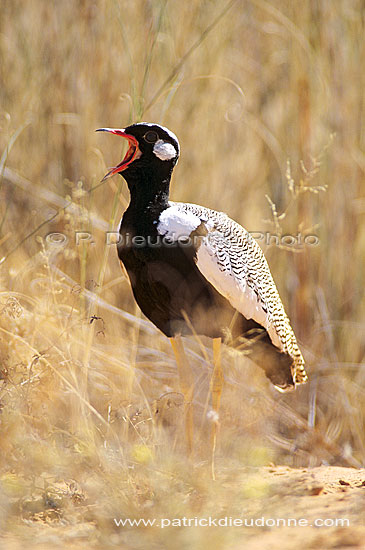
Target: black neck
x=149 y=192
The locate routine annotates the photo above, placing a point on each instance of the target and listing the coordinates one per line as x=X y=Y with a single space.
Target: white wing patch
x=175 y=223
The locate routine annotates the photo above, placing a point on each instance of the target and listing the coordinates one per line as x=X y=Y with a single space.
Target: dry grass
x=254 y=95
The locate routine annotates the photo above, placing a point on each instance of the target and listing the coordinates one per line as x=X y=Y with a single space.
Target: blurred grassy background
x=267 y=98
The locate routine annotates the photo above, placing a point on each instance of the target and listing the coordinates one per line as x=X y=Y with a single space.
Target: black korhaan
x=192 y=267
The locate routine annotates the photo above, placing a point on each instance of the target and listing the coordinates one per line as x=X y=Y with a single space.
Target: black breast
x=170 y=289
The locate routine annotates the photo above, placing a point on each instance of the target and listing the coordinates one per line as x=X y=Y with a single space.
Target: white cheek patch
x=164 y=150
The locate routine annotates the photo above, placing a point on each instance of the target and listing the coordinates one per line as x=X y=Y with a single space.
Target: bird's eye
x=151 y=137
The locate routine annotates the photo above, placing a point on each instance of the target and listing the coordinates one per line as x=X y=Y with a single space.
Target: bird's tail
x=277 y=365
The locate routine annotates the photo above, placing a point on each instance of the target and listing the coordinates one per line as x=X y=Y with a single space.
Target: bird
x=194 y=270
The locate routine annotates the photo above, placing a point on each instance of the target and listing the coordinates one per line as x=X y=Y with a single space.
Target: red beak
x=132 y=153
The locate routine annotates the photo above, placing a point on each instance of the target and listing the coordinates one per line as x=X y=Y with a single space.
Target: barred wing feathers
x=232 y=261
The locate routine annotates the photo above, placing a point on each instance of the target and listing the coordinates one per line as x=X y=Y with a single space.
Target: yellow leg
x=216 y=385
x=186 y=385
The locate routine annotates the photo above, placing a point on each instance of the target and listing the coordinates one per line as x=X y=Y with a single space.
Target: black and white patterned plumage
x=193 y=269
x=233 y=262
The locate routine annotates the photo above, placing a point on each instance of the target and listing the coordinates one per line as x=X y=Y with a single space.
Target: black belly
x=176 y=297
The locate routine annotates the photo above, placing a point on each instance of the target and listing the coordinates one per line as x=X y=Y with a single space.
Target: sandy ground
x=325 y=492
x=322 y=493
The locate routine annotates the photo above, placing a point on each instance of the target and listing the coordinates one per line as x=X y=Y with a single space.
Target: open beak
x=132 y=153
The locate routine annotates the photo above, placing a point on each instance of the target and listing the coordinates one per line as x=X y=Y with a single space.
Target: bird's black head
x=153 y=149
